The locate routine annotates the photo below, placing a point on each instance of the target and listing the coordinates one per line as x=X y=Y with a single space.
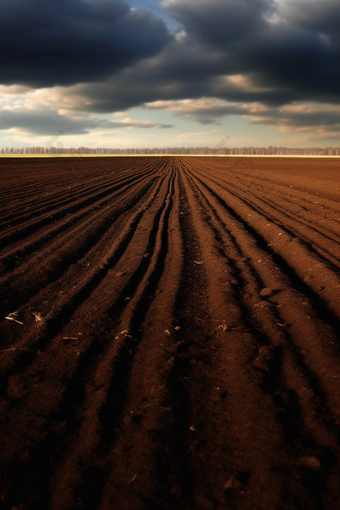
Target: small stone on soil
x=232 y=483
x=265 y=351
x=261 y=363
x=266 y=292
x=310 y=462
x=127 y=420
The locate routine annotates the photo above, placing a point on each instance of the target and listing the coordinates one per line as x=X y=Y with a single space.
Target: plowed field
x=170 y=333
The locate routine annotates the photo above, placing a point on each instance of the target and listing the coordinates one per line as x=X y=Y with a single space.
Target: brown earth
x=176 y=341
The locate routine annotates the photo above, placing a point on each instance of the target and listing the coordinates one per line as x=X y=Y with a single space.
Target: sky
x=170 y=73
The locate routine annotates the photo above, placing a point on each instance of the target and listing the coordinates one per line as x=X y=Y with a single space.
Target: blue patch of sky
x=156 y=8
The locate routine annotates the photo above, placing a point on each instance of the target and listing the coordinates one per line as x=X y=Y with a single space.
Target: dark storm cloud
x=298 y=53
x=40 y=122
x=179 y=71
x=288 y=51
x=63 y=42
x=184 y=69
x=297 y=61
x=316 y=15
x=288 y=59
x=220 y=22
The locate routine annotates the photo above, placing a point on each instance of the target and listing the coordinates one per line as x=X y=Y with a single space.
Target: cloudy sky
x=148 y=73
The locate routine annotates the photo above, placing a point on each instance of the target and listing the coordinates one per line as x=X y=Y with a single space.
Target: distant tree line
x=266 y=151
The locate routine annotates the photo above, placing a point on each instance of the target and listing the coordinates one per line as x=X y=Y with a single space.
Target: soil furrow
x=69 y=207
x=80 y=289
x=317 y=240
x=311 y=271
x=51 y=262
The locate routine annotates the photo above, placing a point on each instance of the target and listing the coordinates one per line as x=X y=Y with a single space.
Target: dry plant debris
x=38 y=317
x=221 y=327
x=11 y=317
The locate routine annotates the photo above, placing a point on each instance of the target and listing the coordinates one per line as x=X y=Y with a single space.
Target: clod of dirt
x=215 y=397
x=128 y=420
x=232 y=483
x=262 y=363
x=266 y=292
x=310 y=462
x=146 y=255
x=234 y=282
x=119 y=273
x=263 y=303
x=16 y=389
x=265 y=351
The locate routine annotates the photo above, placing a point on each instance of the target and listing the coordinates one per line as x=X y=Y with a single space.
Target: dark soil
x=169 y=336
